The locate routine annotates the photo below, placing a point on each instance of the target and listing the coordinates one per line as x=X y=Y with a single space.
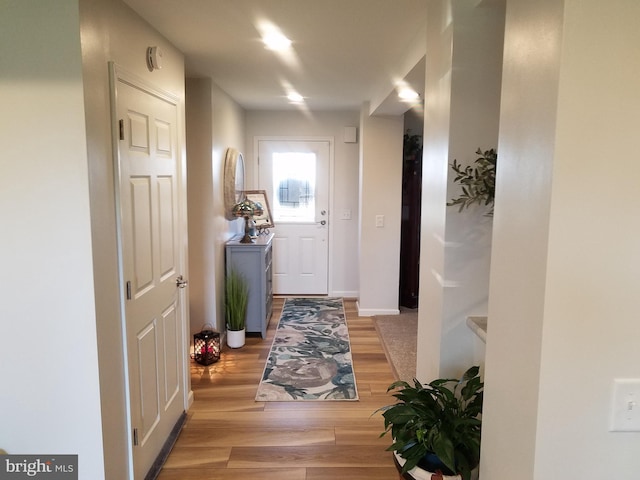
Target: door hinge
x=135 y=437
x=129 y=290
x=121 y=127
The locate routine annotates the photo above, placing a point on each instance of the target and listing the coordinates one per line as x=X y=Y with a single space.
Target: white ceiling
x=344 y=52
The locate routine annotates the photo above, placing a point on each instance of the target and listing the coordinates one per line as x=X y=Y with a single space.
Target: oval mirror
x=233 y=180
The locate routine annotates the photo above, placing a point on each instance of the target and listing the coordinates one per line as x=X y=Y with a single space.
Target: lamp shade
x=247 y=209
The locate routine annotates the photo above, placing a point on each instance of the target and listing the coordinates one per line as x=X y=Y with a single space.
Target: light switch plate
x=625 y=406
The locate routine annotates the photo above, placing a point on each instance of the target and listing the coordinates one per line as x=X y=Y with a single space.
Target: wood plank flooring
x=228 y=435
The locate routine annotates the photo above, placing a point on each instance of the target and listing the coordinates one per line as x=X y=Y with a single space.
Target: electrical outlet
x=346 y=214
x=379 y=221
x=625 y=407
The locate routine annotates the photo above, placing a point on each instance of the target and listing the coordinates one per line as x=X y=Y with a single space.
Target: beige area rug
x=398 y=334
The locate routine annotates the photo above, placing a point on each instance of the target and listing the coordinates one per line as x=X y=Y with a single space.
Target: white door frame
x=119 y=74
x=305 y=138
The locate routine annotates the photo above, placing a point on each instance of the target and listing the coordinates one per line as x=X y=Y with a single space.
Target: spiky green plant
x=440 y=418
x=236 y=299
x=478 y=183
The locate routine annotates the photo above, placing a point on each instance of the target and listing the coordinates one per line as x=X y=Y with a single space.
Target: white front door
x=150 y=238
x=295 y=175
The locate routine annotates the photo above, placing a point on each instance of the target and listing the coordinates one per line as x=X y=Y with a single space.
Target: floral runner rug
x=310 y=358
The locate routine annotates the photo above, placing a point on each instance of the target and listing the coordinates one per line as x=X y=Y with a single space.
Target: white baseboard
x=344 y=294
x=370 y=312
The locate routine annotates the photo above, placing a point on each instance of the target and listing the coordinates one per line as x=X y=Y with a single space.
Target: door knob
x=181 y=282
x=323 y=212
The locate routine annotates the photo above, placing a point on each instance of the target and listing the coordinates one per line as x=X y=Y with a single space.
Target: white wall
x=590 y=331
x=464 y=59
x=381 y=142
x=201 y=206
x=50 y=397
x=343 y=262
x=474 y=117
x=523 y=190
x=434 y=188
x=564 y=289
x=110 y=31
x=215 y=122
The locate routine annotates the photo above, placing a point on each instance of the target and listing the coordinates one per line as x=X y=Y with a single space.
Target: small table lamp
x=247 y=209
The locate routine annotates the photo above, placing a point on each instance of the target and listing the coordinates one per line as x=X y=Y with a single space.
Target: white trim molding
x=371 y=312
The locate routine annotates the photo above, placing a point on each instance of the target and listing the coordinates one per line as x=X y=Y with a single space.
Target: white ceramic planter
x=419 y=474
x=235 y=338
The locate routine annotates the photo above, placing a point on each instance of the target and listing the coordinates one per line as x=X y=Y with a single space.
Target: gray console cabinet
x=253 y=261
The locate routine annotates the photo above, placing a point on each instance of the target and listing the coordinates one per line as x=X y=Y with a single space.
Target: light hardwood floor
x=228 y=435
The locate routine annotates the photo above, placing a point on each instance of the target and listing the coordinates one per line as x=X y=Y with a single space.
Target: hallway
x=230 y=436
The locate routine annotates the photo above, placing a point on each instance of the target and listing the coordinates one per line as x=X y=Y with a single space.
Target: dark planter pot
x=418 y=473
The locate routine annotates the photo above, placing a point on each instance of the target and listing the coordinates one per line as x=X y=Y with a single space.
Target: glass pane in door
x=294 y=184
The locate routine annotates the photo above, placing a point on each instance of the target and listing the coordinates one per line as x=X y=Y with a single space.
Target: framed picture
x=265 y=220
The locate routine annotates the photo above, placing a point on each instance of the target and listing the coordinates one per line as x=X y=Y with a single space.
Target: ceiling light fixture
x=274 y=40
x=295 y=97
x=408 y=95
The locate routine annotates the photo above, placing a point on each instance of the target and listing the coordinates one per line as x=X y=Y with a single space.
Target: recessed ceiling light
x=295 y=97
x=408 y=95
x=276 y=41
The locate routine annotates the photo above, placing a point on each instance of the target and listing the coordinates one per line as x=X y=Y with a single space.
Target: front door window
x=294 y=181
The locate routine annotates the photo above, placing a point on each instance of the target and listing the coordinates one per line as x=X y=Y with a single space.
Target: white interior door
x=149 y=193
x=295 y=175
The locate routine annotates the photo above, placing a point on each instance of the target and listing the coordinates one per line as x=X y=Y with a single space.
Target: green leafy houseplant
x=478 y=183
x=412 y=144
x=236 y=299
x=440 y=419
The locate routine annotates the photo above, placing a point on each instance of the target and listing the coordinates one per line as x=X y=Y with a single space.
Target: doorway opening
x=411 y=210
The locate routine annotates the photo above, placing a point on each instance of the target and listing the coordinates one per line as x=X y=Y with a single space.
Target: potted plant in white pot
x=436 y=427
x=236 y=299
